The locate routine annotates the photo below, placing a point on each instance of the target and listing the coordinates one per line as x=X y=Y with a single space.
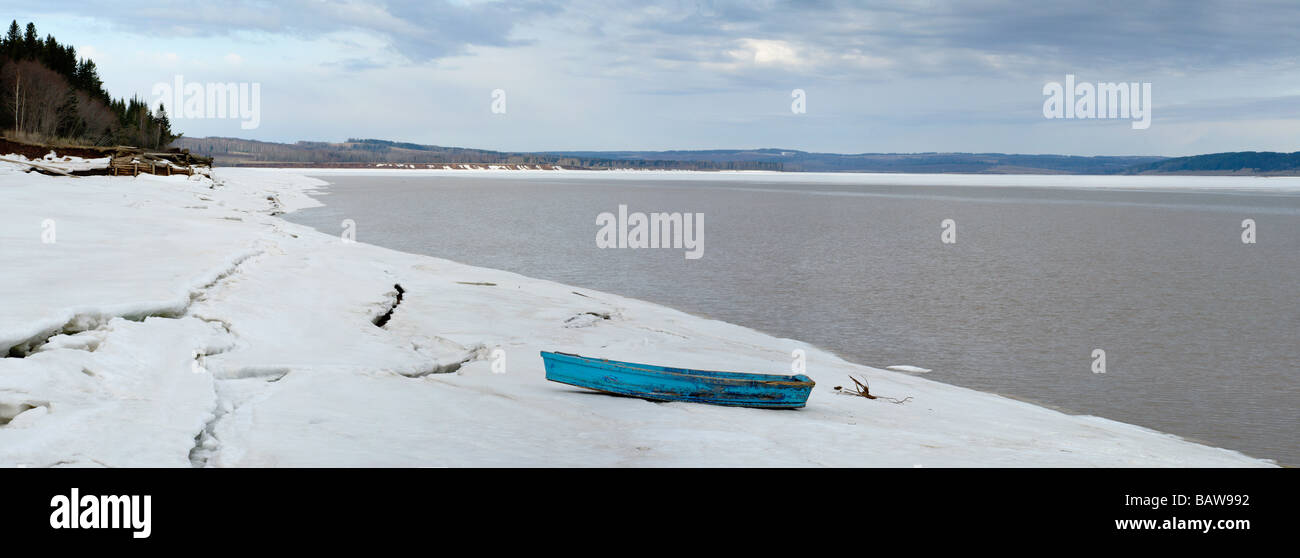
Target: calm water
x=1200 y=330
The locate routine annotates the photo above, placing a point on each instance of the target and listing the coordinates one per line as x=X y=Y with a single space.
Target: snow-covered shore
x=168 y=321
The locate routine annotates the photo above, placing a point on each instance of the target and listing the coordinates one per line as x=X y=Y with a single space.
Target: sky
x=873 y=77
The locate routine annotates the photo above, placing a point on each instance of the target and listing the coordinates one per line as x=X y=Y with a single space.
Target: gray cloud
x=956 y=37
x=881 y=76
x=419 y=30
x=943 y=36
x=1235 y=109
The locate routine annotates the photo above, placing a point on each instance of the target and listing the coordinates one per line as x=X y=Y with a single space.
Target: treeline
x=803 y=161
x=400 y=152
x=232 y=151
x=49 y=95
x=1244 y=162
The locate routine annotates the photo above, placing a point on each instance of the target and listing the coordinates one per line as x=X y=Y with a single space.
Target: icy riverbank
x=168 y=321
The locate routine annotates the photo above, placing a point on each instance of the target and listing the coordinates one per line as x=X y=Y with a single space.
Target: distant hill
x=367 y=152
x=794 y=160
x=1240 y=162
x=355 y=152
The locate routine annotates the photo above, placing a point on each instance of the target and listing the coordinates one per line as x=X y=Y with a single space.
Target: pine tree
x=13 y=40
x=49 y=56
x=70 y=123
x=165 y=136
x=31 y=43
x=87 y=78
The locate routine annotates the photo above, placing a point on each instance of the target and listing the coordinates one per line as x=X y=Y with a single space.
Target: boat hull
x=661 y=383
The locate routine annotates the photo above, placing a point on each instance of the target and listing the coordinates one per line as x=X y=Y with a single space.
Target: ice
x=745 y=178
x=176 y=321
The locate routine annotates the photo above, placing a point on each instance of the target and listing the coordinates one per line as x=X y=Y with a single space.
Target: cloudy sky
x=607 y=74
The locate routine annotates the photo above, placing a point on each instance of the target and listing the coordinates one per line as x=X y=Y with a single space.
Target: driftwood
x=122 y=159
x=178 y=156
x=133 y=161
x=861 y=389
x=40 y=167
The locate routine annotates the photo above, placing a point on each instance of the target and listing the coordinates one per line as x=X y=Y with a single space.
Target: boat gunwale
x=790 y=380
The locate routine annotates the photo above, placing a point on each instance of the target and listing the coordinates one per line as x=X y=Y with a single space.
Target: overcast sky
x=607 y=74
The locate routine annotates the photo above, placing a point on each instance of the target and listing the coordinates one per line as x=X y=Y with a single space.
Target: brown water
x=1199 y=329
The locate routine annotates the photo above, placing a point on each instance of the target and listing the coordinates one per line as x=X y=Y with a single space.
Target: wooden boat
x=661 y=383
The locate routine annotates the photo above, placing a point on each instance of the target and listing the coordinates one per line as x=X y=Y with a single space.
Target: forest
x=50 y=96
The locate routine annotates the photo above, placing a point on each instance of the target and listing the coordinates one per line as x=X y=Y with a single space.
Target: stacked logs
x=131 y=161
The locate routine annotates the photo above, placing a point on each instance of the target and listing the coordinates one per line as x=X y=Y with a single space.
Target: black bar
x=321 y=507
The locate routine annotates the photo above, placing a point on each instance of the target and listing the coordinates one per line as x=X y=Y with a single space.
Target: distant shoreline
x=373 y=153
x=498 y=166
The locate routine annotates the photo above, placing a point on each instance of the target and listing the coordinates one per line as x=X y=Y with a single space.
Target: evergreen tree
x=31 y=43
x=13 y=40
x=165 y=136
x=70 y=123
x=128 y=122
x=48 y=55
x=87 y=78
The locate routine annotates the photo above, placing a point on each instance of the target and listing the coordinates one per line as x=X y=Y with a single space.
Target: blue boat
x=661 y=383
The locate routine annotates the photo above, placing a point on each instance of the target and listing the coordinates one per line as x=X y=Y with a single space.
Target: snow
x=908 y=368
x=175 y=321
x=65 y=164
x=747 y=178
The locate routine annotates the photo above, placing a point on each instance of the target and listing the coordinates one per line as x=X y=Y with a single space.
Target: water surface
x=1199 y=329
